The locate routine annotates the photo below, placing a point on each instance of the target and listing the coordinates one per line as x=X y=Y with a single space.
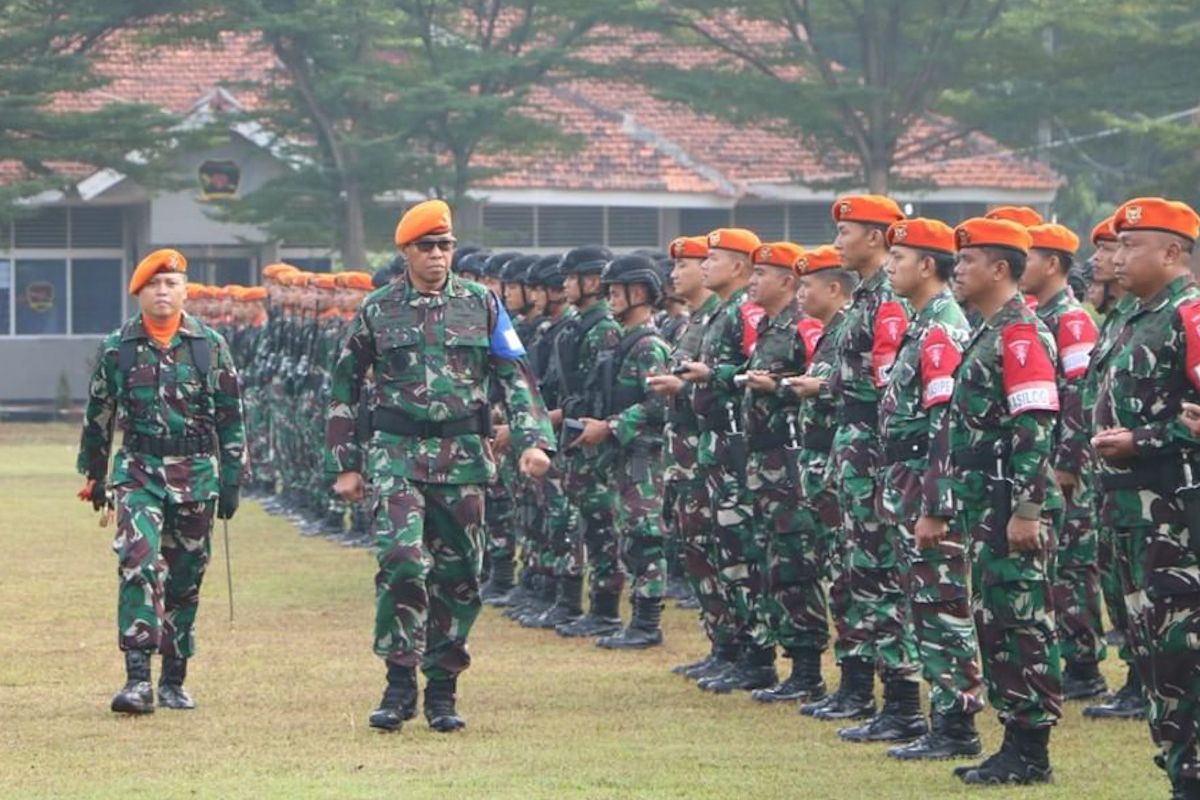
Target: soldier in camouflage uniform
x=1077 y=571
x=169 y=383
x=1149 y=466
x=577 y=352
x=632 y=416
x=1128 y=702
x=825 y=294
x=740 y=557
x=878 y=630
x=1000 y=488
x=435 y=343
x=689 y=516
x=791 y=605
x=914 y=401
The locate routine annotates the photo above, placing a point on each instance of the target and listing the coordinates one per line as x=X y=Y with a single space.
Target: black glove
x=227 y=504
x=99 y=498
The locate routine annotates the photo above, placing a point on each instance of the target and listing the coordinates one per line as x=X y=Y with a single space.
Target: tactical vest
x=614 y=398
x=572 y=385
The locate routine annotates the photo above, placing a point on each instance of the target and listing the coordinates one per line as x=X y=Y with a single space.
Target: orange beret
x=984 y=232
x=1103 y=232
x=301 y=278
x=739 y=240
x=166 y=260
x=194 y=290
x=873 y=209
x=922 y=234
x=236 y=293
x=1053 y=236
x=1022 y=215
x=819 y=258
x=357 y=280
x=218 y=292
x=254 y=293
x=272 y=271
x=325 y=280
x=777 y=254
x=689 y=247
x=432 y=216
x=1157 y=214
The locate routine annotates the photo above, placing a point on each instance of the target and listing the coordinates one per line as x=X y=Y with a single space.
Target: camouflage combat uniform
x=184 y=440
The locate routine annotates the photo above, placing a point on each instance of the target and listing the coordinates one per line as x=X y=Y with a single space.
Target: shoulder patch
x=1029 y=379
x=891 y=322
x=1189 y=314
x=751 y=315
x=810 y=330
x=1077 y=336
x=940 y=357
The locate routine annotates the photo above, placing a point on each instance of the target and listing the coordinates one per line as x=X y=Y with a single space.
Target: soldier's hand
x=930 y=531
x=666 y=385
x=349 y=486
x=93 y=492
x=1191 y=418
x=1024 y=534
x=804 y=385
x=228 y=501
x=760 y=381
x=534 y=462
x=695 y=372
x=1114 y=444
x=595 y=431
x=502 y=441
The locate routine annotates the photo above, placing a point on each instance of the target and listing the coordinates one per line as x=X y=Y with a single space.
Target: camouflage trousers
x=261 y=467
x=429 y=547
x=1077 y=587
x=1110 y=589
x=816 y=494
x=1164 y=622
x=499 y=515
x=638 y=479
x=878 y=625
x=740 y=553
x=793 y=603
x=589 y=491
x=935 y=580
x=564 y=532
x=162 y=552
x=692 y=524
x=533 y=540
x=1014 y=620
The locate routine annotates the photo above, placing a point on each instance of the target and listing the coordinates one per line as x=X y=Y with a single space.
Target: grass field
x=283 y=695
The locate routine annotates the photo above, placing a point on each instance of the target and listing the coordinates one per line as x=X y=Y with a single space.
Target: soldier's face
x=857 y=244
x=688 y=276
x=493 y=284
x=555 y=296
x=1105 y=272
x=769 y=286
x=1096 y=294
x=1038 y=271
x=514 y=298
x=1143 y=259
x=721 y=269
x=905 y=267
x=429 y=261
x=618 y=298
x=537 y=298
x=163 y=296
x=974 y=275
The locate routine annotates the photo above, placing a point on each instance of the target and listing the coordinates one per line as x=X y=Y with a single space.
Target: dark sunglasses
x=445 y=245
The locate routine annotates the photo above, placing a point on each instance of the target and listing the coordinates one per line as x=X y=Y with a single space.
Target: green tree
x=50 y=134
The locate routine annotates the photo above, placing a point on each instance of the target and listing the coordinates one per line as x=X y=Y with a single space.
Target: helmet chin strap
x=582 y=294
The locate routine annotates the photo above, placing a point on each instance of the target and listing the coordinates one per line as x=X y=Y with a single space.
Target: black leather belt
x=818 y=439
x=1163 y=474
x=906 y=449
x=714 y=421
x=855 y=412
x=983 y=458
x=761 y=442
x=162 y=446
x=397 y=423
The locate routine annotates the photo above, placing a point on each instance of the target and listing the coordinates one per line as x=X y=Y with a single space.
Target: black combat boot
x=1024 y=758
x=439 y=705
x=1186 y=789
x=1129 y=702
x=602 y=619
x=645 y=627
x=499 y=583
x=568 y=606
x=171 y=693
x=804 y=684
x=399 y=701
x=725 y=658
x=754 y=670
x=855 y=697
x=522 y=586
x=334 y=523
x=530 y=599
x=950 y=736
x=136 y=697
x=1082 y=680
x=899 y=720
x=682 y=669
x=541 y=602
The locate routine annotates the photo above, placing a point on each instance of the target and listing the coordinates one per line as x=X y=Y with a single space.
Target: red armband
x=1077 y=337
x=752 y=314
x=1189 y=313
x=810 y=331
x=1029 y=380
x=890 y=324
x=940 y=358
